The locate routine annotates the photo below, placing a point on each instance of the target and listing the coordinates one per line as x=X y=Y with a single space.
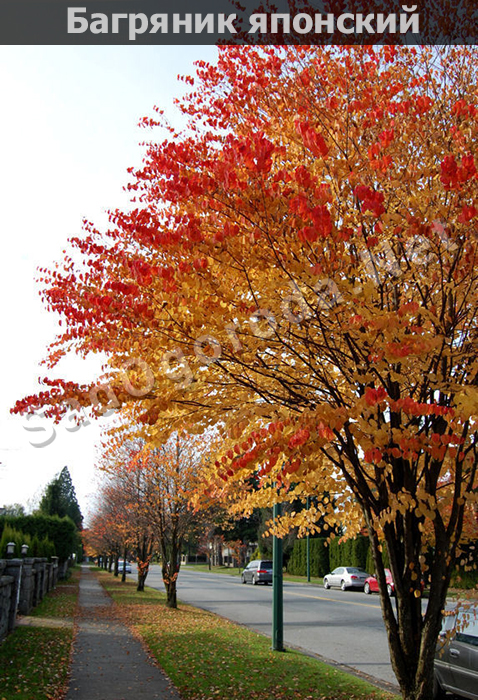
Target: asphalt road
x=342 y=627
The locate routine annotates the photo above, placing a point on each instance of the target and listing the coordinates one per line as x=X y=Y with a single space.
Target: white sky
x=68 y=132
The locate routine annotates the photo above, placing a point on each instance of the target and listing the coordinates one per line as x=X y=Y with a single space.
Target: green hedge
x=319 y=557
x=352 y=552
x=9 y=534
x=36 y=547
x=357 y=552
x=370 y=567
x=60 y=532
x=326 y=557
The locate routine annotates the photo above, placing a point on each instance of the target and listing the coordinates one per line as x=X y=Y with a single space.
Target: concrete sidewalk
x=109 y=663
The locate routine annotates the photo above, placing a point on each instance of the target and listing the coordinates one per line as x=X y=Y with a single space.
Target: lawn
x=61 y=602
x=34 y=661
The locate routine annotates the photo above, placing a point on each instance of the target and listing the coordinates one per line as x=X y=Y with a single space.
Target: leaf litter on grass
x=35 y=660
x=208 y=657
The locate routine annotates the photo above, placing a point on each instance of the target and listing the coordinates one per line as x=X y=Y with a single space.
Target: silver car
x=258 y=571
x=456 y=657
x=346 y=577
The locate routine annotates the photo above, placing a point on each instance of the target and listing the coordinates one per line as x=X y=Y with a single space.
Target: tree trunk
x=141 y=581
x=143 y=569
x=171 y=597
x=170 y=571
x=411 y=634
x=123 y=574
x=144 y=553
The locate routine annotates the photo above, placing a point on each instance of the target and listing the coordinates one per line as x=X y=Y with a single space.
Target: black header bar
x=211 y=22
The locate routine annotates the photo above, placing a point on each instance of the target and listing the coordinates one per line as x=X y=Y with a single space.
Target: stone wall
x=6 y=591
x=23 y=584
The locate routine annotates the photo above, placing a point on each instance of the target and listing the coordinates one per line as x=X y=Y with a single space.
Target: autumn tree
x=160 y=481
x=124 y=496
x=100 y=539
x=172 y=472
x=300 y=271
x=110 y=534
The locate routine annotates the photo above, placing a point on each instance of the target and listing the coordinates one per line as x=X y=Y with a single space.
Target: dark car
x=258 y=571
x=456 y=657
x=371 y=584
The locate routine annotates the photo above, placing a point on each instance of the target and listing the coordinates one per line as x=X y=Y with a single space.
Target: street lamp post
x=277 y=588
x=308 y=546
x=10 y=550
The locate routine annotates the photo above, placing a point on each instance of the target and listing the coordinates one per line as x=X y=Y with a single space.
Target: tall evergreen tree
x=60 y=498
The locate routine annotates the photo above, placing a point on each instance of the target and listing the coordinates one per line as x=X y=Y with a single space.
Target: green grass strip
x=61 y=601
x=35 y=661
x=208 y=657
x=234 y=571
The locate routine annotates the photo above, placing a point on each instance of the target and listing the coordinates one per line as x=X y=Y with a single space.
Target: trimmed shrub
x=61 y=533
x=41 y=548
x=319 y=557
x=10 y=534
x=352 y=552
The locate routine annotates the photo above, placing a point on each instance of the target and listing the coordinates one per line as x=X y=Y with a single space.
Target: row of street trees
x=299 y=272
x=144 y=505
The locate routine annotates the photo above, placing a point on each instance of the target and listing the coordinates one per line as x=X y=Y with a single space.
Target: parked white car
x=127 y=567
x=346 y=577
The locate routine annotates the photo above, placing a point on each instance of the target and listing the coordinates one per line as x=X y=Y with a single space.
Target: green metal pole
x=277 y=593
x=308 y=547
